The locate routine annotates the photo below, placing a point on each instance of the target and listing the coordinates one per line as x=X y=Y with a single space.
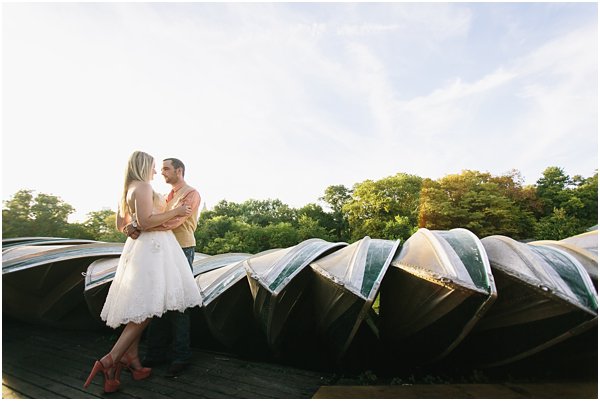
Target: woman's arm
x=191 y=198
x=122 y=221
x=142 y=197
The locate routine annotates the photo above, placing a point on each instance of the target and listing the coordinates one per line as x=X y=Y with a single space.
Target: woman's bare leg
x=129 y=338
x=132 y=353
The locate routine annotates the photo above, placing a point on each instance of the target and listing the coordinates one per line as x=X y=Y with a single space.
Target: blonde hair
x=139 y=168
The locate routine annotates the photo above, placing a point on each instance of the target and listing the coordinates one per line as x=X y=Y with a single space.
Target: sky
x=281 y=100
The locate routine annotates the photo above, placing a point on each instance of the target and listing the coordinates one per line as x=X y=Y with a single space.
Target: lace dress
x=153 y=276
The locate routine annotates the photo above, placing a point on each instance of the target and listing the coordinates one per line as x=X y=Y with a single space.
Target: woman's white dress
x=153 y=276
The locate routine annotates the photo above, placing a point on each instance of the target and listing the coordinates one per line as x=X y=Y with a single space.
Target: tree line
x=556 y=207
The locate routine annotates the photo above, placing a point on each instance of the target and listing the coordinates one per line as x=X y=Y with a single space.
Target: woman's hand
x=183 y=210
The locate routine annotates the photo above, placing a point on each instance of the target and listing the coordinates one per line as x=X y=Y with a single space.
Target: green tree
x=476 y=201
x=311 y=228
x=225 y=208
x=557 y=226
x=336 y=197
x=50 y=215
x=572 y=201
x=400 y=227
x=43 y=215
x=230 y=242
x=313 y=222
x=17 y=216
x=378 y=205
x=586 y=192
x=265 y=212
x=212 y=226
x=551 y=188
x=280 y=235
x=255 y=226
x=101 y=226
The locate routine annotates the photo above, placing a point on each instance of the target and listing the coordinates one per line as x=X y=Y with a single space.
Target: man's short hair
x=177 y=164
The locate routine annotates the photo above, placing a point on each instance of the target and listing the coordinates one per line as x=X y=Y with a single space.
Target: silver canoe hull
x=436 y=289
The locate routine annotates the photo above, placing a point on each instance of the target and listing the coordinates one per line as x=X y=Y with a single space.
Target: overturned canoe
x=545 y=296
x=9 y=242
x=227 y=306
x=587 y=241
x=436 y=289
x=48 y=286
x=344 y=287
x=98 y=276
x=204 y=263
x=588 y=260
x=16 y=252
x=277 y=281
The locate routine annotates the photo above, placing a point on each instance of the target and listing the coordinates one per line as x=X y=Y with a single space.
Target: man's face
x=169 y=172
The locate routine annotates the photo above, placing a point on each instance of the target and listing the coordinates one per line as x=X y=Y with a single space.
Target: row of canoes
x=441 y=295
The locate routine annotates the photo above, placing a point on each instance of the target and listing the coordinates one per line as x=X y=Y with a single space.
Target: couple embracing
x=154 y=277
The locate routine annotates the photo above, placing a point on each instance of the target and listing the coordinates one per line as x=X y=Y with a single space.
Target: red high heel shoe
x=139 y=373
x=110 y=385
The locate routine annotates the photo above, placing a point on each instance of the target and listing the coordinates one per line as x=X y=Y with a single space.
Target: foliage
x=17 y=216
x=570 y=204
x=394 y=207
x=387 y=208
x=47 y=216
x=551 y=189
x=256 y=212
x=336 y=196
x=101 y=226
x=479 y=202
x=40 y=216
x=255 y=226
x=557 y=226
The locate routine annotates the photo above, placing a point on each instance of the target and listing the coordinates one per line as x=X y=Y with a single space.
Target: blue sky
x=280 y=101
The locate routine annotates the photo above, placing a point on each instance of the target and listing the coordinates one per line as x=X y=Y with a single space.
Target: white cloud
x=280 y=101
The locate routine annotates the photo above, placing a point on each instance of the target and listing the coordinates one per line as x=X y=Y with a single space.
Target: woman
x=153 y=275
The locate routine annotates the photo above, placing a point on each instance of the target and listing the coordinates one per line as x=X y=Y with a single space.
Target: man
x=173 y=325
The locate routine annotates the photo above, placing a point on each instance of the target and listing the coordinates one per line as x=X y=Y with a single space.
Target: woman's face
x=153 y=171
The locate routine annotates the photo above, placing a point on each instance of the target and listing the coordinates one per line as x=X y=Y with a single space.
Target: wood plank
x=48 y=379
x=36 y=352
x=556 y=390
x=45 y=362
x=580 y=390
x=27 y=388
x=33 y=360
x=8 y=392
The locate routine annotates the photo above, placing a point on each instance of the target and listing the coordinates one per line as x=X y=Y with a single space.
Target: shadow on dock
x=43 y=362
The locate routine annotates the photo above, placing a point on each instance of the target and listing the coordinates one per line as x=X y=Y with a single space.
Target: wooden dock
x=42 y=362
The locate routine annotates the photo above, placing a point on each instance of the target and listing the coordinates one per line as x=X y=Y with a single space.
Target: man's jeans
x=172 y=325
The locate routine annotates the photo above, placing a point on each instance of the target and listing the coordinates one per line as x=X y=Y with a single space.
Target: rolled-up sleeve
x=191 y=199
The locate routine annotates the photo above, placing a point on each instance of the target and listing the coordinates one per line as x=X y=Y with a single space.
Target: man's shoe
x=176 y=369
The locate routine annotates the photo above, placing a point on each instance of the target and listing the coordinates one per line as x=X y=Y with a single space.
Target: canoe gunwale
x=583 y=274
x=541 y=288
x=61 y=255
x=263 y=282
x=558 y=244
x=436 y=278
x=536 y=282
x=316 y=267
x=103 y=279
x=211 y=294
x=484 y=259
